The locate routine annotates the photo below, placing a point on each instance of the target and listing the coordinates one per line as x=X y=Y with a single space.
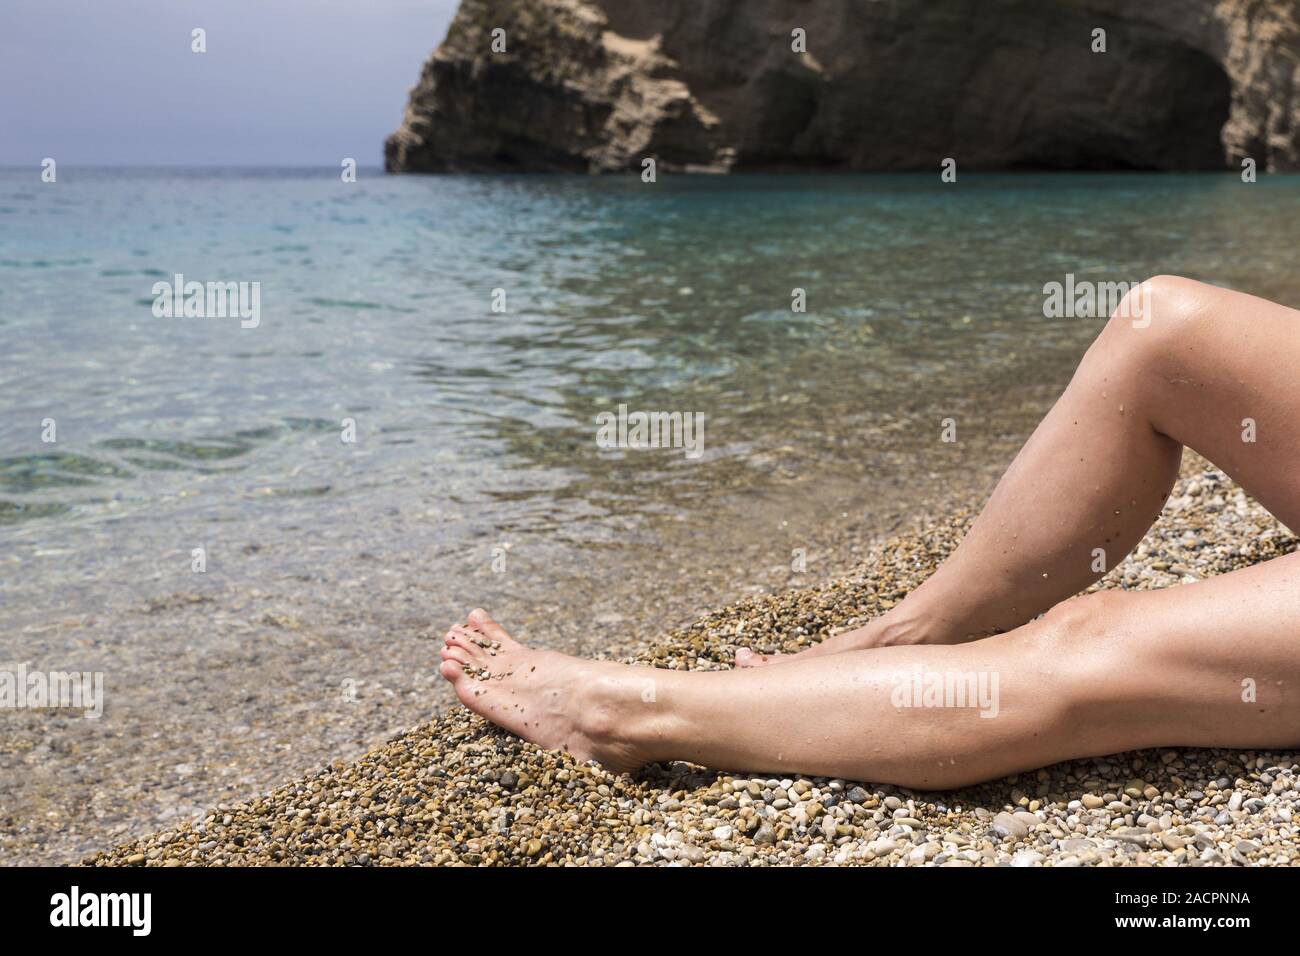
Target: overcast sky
x=283 y=82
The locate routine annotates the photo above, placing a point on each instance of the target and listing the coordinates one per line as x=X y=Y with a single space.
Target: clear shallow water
x=376 y=296
x=476 y=430
x=376 y=306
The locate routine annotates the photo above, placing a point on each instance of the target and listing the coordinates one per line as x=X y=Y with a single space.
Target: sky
x=283 y=82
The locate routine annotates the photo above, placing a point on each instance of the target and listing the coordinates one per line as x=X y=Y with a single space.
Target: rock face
x=596 y=85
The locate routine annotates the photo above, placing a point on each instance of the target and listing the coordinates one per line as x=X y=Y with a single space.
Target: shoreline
x=457 y=791
x=225 y=750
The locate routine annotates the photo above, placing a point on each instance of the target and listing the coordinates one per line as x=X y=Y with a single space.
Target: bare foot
x=550 y=699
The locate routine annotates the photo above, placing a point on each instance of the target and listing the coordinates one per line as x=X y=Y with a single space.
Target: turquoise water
x=924 y=300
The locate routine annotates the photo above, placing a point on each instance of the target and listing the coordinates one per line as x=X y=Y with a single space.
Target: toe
x=455 y=674
x=451 y=671
x=480 y=619
x=468 y=643
x=458 y=654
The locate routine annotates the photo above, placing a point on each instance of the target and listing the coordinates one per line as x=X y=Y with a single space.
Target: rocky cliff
x=597 y=85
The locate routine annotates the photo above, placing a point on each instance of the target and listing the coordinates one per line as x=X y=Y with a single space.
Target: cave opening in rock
x=1025 y=101
x=1163 y=107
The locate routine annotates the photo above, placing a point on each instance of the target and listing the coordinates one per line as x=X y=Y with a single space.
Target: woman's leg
x=1215 y=663
x=1196 y=367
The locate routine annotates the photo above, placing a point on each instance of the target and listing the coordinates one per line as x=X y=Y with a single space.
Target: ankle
x=612 y=704
x=901 y=625
x=622 y=708
x=927 y=616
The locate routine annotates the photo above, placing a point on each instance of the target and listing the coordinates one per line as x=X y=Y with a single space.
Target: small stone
x=1132 y=835
x=1008 y=827
x=882 y=847
x=1077 y=845
x=830 y=829
x=1172 y=842
x=1028 y=819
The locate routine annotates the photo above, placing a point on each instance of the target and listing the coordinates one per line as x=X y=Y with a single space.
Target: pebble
x=1008 y=827
x=1172 y=841
x=1027 y=858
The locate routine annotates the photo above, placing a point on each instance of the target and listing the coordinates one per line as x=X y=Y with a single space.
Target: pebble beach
x=457 y=791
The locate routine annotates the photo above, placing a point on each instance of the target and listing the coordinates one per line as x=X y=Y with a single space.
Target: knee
x=1156 y=328
x=1083 y=618
x=1081 y=644
x=1158 y=309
